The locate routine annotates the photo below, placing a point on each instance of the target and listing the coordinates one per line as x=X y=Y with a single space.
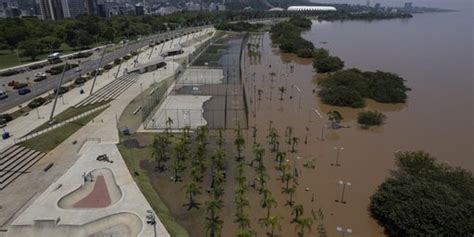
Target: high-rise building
x=75 y=7
x=52 y=9
x=91 y=7
x=139 y=10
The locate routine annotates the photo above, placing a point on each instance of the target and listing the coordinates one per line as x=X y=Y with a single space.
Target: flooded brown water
x=437 y=118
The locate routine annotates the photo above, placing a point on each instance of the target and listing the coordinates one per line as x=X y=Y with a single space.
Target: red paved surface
x=99 y=197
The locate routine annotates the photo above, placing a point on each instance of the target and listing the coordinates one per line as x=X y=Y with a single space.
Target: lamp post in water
x=343 y=231
x=338 y=151
x=344 y=184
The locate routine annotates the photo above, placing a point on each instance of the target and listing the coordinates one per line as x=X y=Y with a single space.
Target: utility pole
x=97 y=70
x=344 y=184
x=57 y=93
x=338 y=150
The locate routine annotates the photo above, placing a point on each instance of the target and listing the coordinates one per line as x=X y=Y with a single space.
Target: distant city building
x=408 y=6
x=377 y=6
x=311 y=8
x=75 y=8
x=91 y=7
x=52 y=9
x=139 y=10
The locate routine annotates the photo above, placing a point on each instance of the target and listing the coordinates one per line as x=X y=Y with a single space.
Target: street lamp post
x=322 y=123
x=343 y=230
x=344 y=184
x=151 y=220
x=338 y=151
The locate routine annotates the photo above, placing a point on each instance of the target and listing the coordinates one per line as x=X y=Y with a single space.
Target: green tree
x=192 y=190
x=52 y=43
x=268 y=201
x=328 y=64
x=297 y=210
x=425 y=198
x=30 y=48
x=367 y=118
x=302 y=224
x=273 y=222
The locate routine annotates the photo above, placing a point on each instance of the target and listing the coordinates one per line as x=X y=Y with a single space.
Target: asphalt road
x=38 y=88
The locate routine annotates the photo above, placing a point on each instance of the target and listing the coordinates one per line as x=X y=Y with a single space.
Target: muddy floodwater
x=429 y=52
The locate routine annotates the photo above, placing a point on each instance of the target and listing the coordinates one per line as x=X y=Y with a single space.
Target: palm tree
x=243 y=219
x=192 y=190
x=273 y=222
x=218 y=159
x=297 y=210
x=302 y=224
x=290 y=191
x=286 y=177
x=322 y=230
x=335 y=117
x=177 y=167
x=246 y=233
x=294 y=141
x=259 y=151
x=280 y=157
x=201 y=134
x=260 y=92
x=159 y=152
x=213 y=227
x=268 y=201
x=282 y=90
x=239 y=142
x=168 y=123
x=220 y=139
x=213 y=207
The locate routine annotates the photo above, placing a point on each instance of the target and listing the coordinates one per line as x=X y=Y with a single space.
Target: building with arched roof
x=311 y=8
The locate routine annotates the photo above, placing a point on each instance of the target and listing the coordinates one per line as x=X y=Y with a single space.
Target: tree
x=294 y=141
x=192 y=190
x=425 y=198
x=239 y=142
x=160 y=155
x=260 y=92
x=282 y=90
x=328 y=64
x=268 y=201
x=273 y=222
x=30 y=48
x=52 y=43
x=367 y=118
x=297 y=210
x=246 y=233
x=290 y=191
x=335 y=118
x=302 y=224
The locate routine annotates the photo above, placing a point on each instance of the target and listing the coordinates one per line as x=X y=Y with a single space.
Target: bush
x=425 y=198
x=368 y=118
x=301 y=22
x=82 y=55
x=305 y=53
x=108 y=66
x=127 y=57
x=380 y=86
x=59 y=69
x=36 y=66
x=117 y=61
x=9 y=73
x=80 y=81
x=342 y=96
x=328 y=64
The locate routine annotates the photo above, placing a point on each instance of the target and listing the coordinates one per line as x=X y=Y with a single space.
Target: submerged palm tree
x=297 y=211
x=268 y=201
x=260 y=92
x=246 y=233
x=273 y=222
x=302 y=224
x=160 y=151
x=282 y=90
x=290 y=191
x=294 y=141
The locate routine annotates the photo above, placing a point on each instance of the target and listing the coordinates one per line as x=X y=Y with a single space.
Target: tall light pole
x=343 y=230
x=322 y=123
x=344 y=184
x=338 y=151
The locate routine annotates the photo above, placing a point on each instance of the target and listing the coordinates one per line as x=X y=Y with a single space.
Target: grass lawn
x=48 y=141
x=9 y=58
x=69 y=113
x=132 y=158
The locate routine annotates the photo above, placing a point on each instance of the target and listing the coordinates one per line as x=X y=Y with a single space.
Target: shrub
x=5 y=118
x=83 y=55
x=341 y=96
x=117 y=61
x=368 y=118
x=36 y=66
x=108 y=67
x=425 y=198
x=328 y=64
x=80 y=81
x=9 y=73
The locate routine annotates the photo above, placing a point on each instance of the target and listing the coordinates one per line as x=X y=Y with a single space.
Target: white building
x=311 y=8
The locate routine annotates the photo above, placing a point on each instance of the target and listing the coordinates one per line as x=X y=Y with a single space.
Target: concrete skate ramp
x=102 y=192
x=117 y=225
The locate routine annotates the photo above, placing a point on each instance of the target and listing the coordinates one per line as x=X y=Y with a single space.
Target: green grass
x=49 y=140
x=211 y=55
x=70 y=113
x=9 y=58
x=132 y=158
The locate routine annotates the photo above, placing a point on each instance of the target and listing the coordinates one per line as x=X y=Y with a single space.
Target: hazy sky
x=450 y=4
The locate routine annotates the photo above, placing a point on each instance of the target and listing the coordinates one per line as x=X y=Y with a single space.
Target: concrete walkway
x=77 y=155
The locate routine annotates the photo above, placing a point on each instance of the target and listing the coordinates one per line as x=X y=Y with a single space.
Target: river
x=431 y=51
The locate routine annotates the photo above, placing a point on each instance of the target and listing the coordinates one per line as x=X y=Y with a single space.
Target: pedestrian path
x=15 y=161
x=110 y=91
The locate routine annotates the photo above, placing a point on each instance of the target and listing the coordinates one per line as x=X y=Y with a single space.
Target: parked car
x=54 y=56
x=40 y=78
x=24 y=91
x=40 y=74
x=62 y=90
x=3 y=95
x=37 y=102
x=80 y=81
x=5 y=118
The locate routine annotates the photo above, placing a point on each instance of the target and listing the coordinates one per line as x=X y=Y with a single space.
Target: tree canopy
x=288 y=36
x=349 y=88
x=425 y=198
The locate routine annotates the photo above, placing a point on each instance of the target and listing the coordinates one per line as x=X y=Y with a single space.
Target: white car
x=40 y=74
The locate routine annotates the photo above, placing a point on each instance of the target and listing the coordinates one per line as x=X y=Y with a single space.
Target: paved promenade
x=76 y=155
